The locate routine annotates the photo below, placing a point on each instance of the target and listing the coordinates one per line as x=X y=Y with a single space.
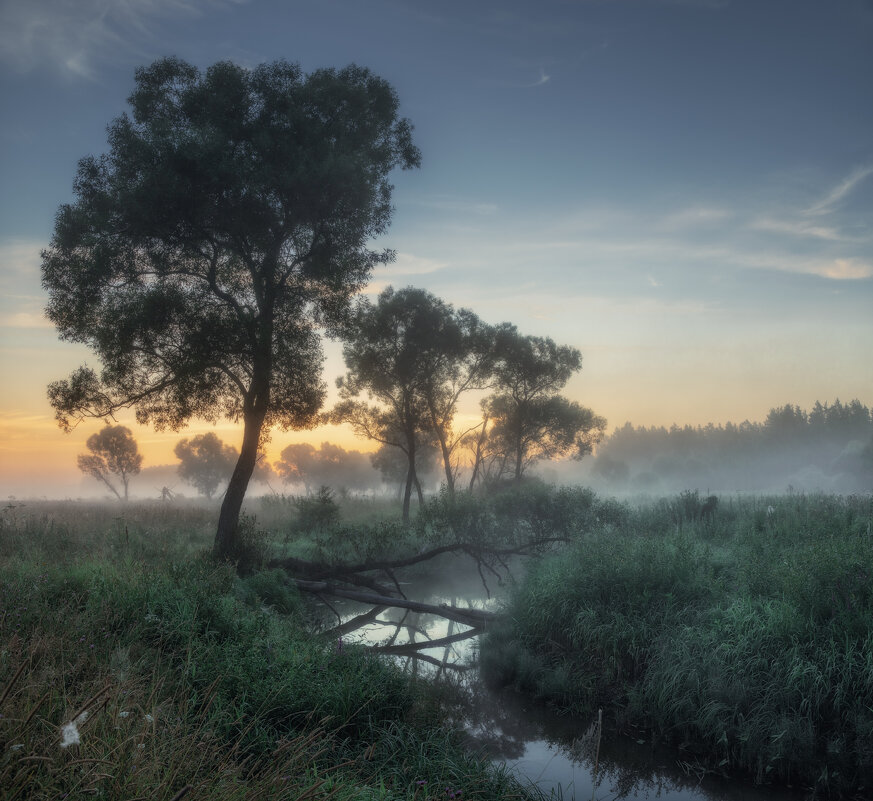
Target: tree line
x=829 y=446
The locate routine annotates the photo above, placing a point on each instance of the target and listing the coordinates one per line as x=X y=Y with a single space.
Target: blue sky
x=680 y=188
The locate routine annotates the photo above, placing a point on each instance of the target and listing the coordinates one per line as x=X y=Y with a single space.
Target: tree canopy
x=229 y=219
x=205 y=462
x=530 y=419
x=411 y=354
x=114 y=452
x=329 y=465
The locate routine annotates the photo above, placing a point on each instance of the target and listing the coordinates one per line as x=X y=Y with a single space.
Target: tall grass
x=132 y=667
x=748 y=639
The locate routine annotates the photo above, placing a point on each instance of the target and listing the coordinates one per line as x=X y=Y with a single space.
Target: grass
x=132 y=666
x=748 y=639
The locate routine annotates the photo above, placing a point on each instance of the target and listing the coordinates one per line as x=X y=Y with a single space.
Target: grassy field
x=746 y=639
x=133 y=667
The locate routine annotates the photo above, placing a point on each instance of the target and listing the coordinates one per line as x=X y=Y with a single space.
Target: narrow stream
x=558 y=753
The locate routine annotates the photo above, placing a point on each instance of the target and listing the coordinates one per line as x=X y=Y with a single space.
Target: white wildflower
x=16 y=747
x=123 y=714
x=70 y=731
x=148 y=718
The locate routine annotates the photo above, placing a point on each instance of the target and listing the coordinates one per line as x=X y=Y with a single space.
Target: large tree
x=412 y=355
x=114 y=452
x=530 y=419
x=229 y=219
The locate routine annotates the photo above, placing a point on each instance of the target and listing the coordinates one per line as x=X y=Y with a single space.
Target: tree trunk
x=227 y=543
x=410 y=480
x=447 y=461
x=477 y=459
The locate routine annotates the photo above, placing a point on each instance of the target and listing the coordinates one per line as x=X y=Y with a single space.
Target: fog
x=826 y=449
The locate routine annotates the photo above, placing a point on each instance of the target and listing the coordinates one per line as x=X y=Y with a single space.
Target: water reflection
x=557 y=753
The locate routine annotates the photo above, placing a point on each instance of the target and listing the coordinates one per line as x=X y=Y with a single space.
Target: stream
x=557 y=753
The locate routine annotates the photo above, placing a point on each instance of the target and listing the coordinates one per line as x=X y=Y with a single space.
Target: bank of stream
x=566 y=757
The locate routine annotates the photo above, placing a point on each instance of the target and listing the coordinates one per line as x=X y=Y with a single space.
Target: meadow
x=132 y=666
x=745 y=639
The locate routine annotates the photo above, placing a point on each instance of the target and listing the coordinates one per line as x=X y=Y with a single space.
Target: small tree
x=205 y=462
x=530 y=420
x=413 y=355
x=229 y=220
x=113 y=452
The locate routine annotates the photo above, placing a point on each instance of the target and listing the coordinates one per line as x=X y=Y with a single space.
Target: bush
x=318 y=512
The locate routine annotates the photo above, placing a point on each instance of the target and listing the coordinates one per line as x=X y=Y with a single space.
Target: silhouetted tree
x=413 y=355
x=113 y=452
x=392 y=464
x=329 y=465
x=228 y=220
x=205 y=462
x=531 y=421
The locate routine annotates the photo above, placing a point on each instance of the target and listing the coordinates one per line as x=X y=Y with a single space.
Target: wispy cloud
x=829 y=202
x=24 y=319
x=544 y=78
x=457 y=205
x=72 y=36
x=694 y=216
x=797 y=228
x=836 y=269
x=20 y=257
x=408 y=264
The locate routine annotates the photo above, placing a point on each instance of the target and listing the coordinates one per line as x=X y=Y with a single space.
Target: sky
x=682 y=189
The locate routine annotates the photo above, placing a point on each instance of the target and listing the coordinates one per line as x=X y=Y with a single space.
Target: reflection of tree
x=500 y=724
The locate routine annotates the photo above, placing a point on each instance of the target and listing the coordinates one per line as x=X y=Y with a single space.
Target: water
x=557 y=753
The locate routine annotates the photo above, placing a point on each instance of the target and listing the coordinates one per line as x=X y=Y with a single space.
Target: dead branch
x=468 y=616
x=411 y=648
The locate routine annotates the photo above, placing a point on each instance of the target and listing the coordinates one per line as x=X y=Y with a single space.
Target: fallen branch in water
x=468 y=616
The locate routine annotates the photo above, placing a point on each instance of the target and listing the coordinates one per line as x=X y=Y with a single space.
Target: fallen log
x=412 y=648
x=467 y=616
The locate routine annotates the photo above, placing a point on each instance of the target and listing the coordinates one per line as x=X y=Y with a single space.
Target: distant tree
x=205 y=462
x=413 y=355
x=329 y=465
x=113 y=452
x=297 y=464
x=613 y=471
x=531 y=421
x=786 y=423
x=228 y=221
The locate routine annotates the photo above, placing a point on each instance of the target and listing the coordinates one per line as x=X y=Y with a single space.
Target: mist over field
x=826 y=449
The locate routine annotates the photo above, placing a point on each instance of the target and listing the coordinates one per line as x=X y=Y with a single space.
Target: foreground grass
x=748 y=640
x=131 y=667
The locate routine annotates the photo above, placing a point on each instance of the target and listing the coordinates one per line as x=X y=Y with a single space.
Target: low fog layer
x=829 y=448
